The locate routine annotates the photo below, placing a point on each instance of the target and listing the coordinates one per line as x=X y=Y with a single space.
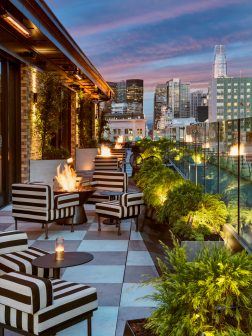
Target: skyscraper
x=160 y=106
x=134 y=96
x=197 y=99
x=220 y=62
x=178 y=95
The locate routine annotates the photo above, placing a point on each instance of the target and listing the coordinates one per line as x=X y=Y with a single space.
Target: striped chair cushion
x=120 y=153
x=114 y=181
x=43 y=216
x=37 y=197
x=106 y=163
x=25 y=292
x=13 y=241
x=114 y=209
x=65 y=200
x=70 y=301
x=21 y=261
x=129 y=199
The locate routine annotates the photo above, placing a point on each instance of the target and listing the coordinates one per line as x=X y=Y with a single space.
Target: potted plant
x=210 y=296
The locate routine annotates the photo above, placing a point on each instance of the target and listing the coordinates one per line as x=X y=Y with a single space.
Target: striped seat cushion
x=27 y=293
x=21 y=261
x=13 y=241
x=65 y=200
x=129 y=199
x=114 y=209
x=70 y=301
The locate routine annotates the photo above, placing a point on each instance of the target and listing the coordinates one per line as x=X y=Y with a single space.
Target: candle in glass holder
x=59 y=248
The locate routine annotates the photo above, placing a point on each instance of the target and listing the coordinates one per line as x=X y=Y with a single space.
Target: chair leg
x=99 y=223
x=43 y=226
x=72 y=225
x=1 y=331
x=46 y=230
x=119 y=226
x=89 y=325
x=136 y=222
x=15 y=229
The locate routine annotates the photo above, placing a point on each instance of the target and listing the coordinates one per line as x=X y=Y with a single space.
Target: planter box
x=194 y=247
x=128 y=330
x=85 y=158
x=44 y=170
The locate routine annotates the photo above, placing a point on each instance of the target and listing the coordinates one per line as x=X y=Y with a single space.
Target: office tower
x=178 y=99
x=160 y=106
x=230 y=98
x=220 y=62
x=134 y=96
x=198 y=98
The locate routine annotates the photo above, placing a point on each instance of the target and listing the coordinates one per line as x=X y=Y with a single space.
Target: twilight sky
x=156 y=40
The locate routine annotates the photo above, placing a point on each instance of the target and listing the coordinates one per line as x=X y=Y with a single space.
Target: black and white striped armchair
x=128 y=206
x=16 y=255
x=33 y=305
x=36 y=202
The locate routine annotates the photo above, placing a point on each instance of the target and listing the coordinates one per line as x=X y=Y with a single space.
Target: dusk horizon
x=157 y=41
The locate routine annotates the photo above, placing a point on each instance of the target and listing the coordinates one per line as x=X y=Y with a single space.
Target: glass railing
x=219 y=156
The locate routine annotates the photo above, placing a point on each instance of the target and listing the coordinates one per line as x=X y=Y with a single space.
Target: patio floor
x=119 y=266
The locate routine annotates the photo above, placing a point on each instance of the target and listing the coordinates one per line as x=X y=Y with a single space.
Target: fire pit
x=67 y=180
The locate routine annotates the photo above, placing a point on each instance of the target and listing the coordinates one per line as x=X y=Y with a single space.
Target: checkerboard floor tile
x=120 y=265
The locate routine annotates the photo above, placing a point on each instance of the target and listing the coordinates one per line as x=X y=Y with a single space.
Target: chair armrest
x=13 y=241
x=66 y=200
x=129 y=199
x=26 y=293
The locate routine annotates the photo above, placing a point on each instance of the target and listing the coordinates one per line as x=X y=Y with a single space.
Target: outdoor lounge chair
x=36 y=202
x=15 y=255
x=128 y=206
x=108 y=181
x=33 y=305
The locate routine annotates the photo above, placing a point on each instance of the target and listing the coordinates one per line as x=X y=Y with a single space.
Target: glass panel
x=246 y=180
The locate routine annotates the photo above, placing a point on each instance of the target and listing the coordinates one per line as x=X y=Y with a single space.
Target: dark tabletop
x=70 y=259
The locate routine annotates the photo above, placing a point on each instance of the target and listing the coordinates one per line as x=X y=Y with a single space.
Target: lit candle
x=59 y=248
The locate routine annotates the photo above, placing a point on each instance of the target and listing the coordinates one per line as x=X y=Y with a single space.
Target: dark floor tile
x=139 y=273
x=106 y=235
x=48 y=245
x=108 y=294
x=66 y=227
x=137 y=245
x=130 y=313
x=109 y=258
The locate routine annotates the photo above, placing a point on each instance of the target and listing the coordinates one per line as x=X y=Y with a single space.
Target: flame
x=234 y=150
x=66 y=178
x=105 y=151
x=118 y=146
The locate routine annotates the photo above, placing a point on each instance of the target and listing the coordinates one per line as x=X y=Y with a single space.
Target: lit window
x=235 y=103
x=248 y=96
x=248 y=90
x=229 y=90
x=228 y=104
x=235 y=84
x=248 y=84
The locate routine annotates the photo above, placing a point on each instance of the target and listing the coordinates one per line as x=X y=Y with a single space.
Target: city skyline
x=157 y=40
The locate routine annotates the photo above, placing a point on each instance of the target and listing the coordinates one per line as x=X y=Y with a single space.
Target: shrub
x=209 y=296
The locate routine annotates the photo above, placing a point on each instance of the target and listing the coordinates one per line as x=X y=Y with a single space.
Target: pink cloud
x=153 y=16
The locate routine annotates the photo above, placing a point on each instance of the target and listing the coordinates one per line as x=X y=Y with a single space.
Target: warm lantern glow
x=59 y=248
x=66 y=178
x=105 y=151
x=234 y=150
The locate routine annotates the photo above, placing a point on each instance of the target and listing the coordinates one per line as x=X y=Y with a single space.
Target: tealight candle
x=59 y=248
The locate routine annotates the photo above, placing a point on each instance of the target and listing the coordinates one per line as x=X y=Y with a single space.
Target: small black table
x=70 y=259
